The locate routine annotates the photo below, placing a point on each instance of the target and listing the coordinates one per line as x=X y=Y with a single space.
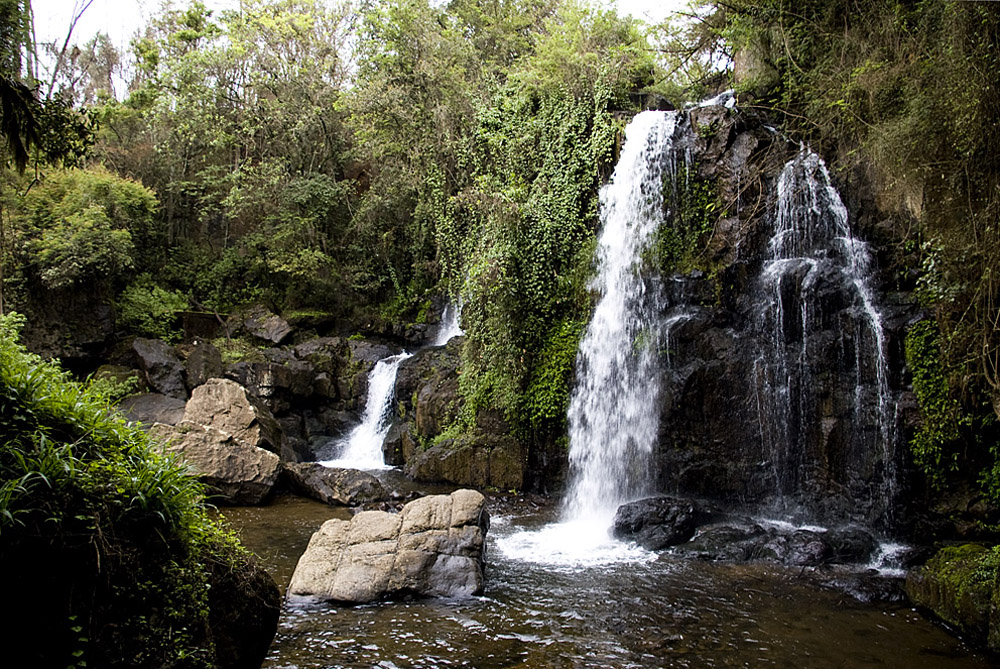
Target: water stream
x=450 y=325
x=362 y=448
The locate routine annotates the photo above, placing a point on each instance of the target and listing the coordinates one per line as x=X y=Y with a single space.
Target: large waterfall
x=362 y=449
x=613 y=409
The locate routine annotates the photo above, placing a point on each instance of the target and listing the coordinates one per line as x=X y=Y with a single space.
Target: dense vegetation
x=113 y=551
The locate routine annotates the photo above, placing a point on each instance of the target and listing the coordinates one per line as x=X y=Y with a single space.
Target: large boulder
x=238 y=471
x=959 y=585
x=150 y=408
x=226 y=406
x=204 y=362
x=480 y=459
x=161 y=366
x=433 y=547
x=260 y=323
x=346 y=487
x=656 y=522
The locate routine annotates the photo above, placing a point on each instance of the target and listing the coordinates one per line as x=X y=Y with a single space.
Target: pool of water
x=652 y=611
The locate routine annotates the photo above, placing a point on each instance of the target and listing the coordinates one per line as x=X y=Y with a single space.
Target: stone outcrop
x=433 y=547
x=260 y=323
x=227 y=438
x=204 y=362
x=227 y=407
x=161 y=366
x=336 y=486
x=960 y=586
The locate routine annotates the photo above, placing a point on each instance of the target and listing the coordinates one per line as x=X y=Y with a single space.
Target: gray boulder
x=238 y=471
x=261 y=323
x=161 y=366
x=204 y=362
x=150 y=408
x=347 y=487
x=433 y=547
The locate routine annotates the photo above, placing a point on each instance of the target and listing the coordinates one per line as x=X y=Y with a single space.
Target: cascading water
x=613 y=409
x=450 y=325
x=362 y=449
x=817 y=271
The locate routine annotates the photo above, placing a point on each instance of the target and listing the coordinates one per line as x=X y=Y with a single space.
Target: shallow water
x=661 y=612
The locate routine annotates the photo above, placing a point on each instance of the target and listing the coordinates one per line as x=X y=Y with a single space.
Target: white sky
x=120 y=19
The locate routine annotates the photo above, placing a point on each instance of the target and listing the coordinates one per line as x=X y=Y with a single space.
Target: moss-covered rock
x=959 y=586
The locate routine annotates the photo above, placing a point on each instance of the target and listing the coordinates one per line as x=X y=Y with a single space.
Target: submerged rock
x=433 y=547
x=656 y=522
x=347 y=487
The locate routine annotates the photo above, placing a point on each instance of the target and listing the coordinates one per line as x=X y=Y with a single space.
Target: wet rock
x=656 y=522
x=226 y=406
x=734 y=540
x=150 y=408
x=850 y=545
x=161 y=366
x=204 y=362
x=433 y=547
x=800 y=548
x=238 y=471
x=959 y=586
x=346 y=487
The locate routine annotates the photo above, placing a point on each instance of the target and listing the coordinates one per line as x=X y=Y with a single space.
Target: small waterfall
x=817 y=279
x=613 y=417
x=362 y=448
x=450 y=325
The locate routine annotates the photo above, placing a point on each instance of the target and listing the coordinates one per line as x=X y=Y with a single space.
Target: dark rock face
x=243 y=609
x=656 y=522
x=729 y=429
x=346 y=487
x=162 y=367
x=204 y=362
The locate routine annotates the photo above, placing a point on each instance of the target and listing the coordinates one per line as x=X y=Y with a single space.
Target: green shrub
x=150 y=310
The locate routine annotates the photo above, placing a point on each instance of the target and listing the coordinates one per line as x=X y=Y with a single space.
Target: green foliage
x=91 y=507
x=691 y=209
x=83 y=227
x=149 y=310
x=548 y=392
x=933 y=444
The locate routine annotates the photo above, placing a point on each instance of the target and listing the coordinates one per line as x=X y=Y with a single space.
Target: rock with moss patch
x=959 y=586
x=433 y=547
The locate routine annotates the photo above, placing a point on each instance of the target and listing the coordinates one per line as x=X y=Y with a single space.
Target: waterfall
x=450 y=325
x=613 y=414
x=613 y=408
x=817 y=277
x=362 y=448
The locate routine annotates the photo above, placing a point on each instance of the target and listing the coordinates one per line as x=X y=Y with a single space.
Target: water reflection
x=662 y=612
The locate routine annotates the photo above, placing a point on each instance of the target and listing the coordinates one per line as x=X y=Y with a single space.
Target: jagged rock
x=150 y=408
x=204 y=362
x=959 y=585
x=162 y=367
x=260 y=323
x=240 y=472
x=433 y=547
x=347 y=487
x=225 y=405
x=656 y=522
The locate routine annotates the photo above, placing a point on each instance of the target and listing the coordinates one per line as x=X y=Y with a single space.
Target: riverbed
x=642 y=610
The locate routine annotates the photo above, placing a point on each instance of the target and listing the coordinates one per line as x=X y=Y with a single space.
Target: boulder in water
x=433 y=547
x=346 y=487
x=656 y=522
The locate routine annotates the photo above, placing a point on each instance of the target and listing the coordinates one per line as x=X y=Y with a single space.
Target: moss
x=547 y=396
x=691 y=209
x=235 y=350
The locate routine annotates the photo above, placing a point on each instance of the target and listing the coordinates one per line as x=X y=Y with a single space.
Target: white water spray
x=362 y=449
